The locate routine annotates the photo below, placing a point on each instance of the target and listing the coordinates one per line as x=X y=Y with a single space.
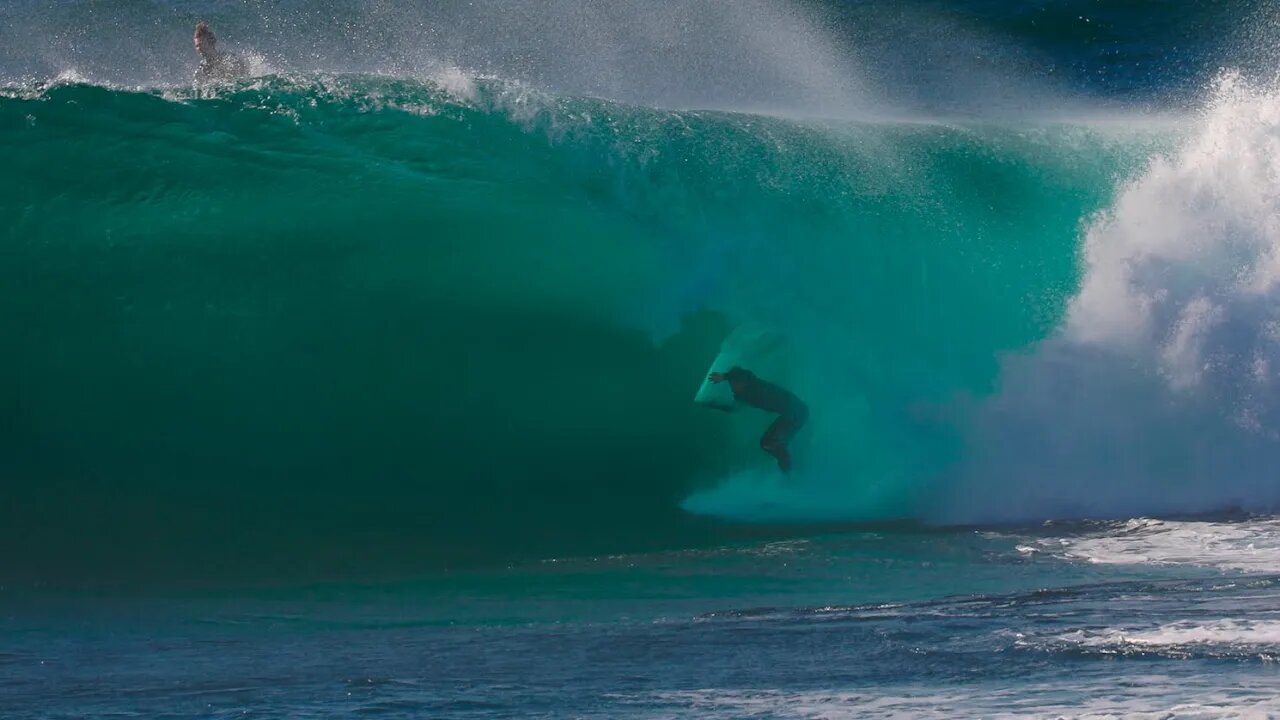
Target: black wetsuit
x=792 y=412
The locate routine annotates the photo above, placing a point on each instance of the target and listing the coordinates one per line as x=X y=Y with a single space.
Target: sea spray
x=1158 y=392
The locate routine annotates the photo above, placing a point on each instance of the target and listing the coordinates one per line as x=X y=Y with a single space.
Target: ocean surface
x=363 y=386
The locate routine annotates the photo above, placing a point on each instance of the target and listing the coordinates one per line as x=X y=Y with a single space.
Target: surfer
x=215 y=64
x=792 y=412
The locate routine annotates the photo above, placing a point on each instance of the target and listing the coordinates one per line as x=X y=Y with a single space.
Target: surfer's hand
x=716 y=377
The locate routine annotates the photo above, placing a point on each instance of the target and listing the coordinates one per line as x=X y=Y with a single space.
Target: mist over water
x=1157 y=393
x=826 y=59
x=438 y=284
x=684 y=54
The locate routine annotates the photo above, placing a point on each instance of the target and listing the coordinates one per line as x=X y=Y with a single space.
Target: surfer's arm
x=716 y=377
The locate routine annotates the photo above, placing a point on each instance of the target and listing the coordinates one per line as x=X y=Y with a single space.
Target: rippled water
x=1143 y=618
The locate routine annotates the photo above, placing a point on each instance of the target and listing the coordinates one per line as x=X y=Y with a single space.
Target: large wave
x=469 y=313
x=440 y=315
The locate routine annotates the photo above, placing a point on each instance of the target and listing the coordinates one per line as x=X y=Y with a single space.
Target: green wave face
x=361 y=323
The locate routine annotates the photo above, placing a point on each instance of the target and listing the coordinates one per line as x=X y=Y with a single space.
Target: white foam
x=1151 y=696
x=1250 y=546
x=1239 y=635
x=455 y=81
x=1210 y=214
x=1159 y=392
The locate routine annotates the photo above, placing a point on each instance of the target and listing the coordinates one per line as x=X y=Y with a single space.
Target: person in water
x=215 y=64
x=792 y=412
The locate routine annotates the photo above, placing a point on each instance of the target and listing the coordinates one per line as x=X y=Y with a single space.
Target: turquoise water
x=368 y=312
x=364 y=386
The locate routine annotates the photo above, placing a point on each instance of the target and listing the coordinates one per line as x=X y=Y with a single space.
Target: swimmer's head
x=206 y=43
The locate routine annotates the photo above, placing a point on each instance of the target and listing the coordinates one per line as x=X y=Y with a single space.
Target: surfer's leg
x=784 y=459
x=775 y=439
